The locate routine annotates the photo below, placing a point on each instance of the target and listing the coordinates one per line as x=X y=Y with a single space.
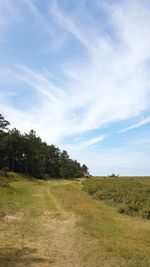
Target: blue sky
x=78 y=72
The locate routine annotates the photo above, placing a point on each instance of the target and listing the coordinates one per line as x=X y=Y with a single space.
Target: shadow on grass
x=14 y=257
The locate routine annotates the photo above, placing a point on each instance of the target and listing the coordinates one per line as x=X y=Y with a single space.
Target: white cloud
x=137 y=125
x=81 y=145
x=91 y=141
x=112 y=74
x=114 y=85
x=111 y=84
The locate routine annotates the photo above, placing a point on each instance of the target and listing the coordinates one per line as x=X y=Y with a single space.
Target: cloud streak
x=137 y=125
x=81 y=145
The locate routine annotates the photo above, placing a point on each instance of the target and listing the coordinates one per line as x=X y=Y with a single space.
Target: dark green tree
x=26 y=153
x=85 y=170
x=3 y=132
x=3 y=124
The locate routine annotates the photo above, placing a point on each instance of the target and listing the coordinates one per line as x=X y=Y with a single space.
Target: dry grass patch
x=13 y=217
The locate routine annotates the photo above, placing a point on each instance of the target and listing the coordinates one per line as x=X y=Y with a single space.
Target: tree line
x=28 y=154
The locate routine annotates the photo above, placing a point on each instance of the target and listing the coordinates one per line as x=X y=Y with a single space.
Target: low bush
x=128 y=209
x=4 y=181
x=132 y=195
x=145 y=212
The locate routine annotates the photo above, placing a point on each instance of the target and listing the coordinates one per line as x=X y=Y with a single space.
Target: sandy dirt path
x=63 y=248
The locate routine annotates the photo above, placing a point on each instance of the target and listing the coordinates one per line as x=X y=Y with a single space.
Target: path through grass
x=55 y=224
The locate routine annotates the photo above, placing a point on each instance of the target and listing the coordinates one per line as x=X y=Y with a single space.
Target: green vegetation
x=27 y=154
x=132 y=195
x=55 y=223
x=4 y=181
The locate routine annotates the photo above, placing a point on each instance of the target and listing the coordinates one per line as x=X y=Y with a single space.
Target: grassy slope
x=56 y=224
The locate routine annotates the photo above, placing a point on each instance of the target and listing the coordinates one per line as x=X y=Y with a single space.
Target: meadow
x=130 y=194
x=56 y=223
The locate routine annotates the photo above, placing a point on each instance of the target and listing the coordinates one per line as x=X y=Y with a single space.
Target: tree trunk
x=13 y=162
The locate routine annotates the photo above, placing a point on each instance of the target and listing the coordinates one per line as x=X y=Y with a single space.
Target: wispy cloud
x=136 y=125
x=9 y=15
x=104 y=86
x=98 y=74
x=81 y=145
x=107 y=84
x=92 y=141
x=41 y=20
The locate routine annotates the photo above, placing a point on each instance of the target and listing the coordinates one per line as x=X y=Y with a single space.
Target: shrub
x=128 y=210
x=145 y=212
x=113 y=175
x=4 y=182
x=132 y=194
x=122 y=209
x=5 y=170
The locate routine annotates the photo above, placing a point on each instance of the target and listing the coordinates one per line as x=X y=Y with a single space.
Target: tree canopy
x=28 y=154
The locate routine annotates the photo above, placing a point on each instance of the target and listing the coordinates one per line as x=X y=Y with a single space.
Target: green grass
x=55 y=223
x=132 y=194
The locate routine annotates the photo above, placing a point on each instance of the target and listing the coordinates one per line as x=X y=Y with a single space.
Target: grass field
x=55 y=223
x=130 y=194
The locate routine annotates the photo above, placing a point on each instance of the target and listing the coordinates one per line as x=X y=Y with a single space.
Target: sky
x=78 y=72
